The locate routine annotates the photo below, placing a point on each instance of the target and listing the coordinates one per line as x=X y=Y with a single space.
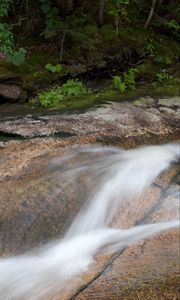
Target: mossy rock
x=144 y=102
x=6 y=72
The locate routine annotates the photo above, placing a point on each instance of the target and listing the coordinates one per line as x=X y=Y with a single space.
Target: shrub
x=163 y=60
x=126 y=81
x=150 y=47
x=72 y=88
x=50 y=98
x=130 y=78
x=162 y=76
x=7 y=38
x=17 y=57
x=53 y=68
x=119 y=84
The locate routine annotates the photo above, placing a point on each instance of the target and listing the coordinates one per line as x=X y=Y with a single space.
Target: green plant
x=52 y=18
x=172 y=24
x=119 y=84
x=163 y=60
x=7 y=38
x=150 y=47
x=162 y=76
x=119 y=9
x=72 y=88
x=50 y=98
x=17 y=57
x=4 y=6
x=54 y=68
x=126 y=81
x=130 y=78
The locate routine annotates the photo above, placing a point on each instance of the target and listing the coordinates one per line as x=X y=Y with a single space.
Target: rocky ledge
x=35 y=206
x=117 y=120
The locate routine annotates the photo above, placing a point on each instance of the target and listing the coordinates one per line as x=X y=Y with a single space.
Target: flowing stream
x=120 y=176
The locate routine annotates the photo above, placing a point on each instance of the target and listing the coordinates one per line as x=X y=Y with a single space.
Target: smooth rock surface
x=37 y=206
x=112 y=120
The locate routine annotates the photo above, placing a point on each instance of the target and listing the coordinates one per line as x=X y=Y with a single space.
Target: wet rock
x=144 y=102
x=170 y=102
x=37 y=205
x=11 y=92
x=121 y=120
x=166 y=110
x=150 y=265
x=147 y=270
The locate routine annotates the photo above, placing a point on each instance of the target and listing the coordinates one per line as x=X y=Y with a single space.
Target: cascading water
x=119 y=175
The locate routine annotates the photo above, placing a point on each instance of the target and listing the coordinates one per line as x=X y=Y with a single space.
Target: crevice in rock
x=6 y=137
x=114 y=257
x=110 y=262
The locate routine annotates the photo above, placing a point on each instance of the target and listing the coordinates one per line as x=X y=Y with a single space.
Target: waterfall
x=120 y=175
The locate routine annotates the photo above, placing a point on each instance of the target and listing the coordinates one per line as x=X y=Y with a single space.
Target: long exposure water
x=119 y=175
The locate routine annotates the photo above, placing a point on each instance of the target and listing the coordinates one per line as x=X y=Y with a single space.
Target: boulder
x=11 y=93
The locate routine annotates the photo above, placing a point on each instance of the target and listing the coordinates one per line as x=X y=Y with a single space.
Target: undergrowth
x=72 y=89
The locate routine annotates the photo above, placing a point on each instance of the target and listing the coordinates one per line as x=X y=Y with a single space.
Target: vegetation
x=61 y=94
x=127 y=41
x=126 y=81
x=53 y=68
x=162 y=76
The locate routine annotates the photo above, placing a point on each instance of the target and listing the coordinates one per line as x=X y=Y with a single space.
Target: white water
x=120 y=175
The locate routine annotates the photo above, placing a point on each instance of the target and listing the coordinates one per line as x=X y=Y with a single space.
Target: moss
x=31 y=73
x=90 y=30
x=107 y=33
x=153 y=90
x=33 y=69
x=86 y=101
x=6 y=72
x=168 y=89
x=70 y=104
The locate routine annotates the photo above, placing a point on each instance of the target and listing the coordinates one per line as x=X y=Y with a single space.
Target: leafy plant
x=126 y=81
x=6 y=38
x=163 y=60
x=162 y=76
x=17 y=57
x=72 y=88
x=4 y=6
x=119 y=84
x=54 y=68
x=50 y=98
x=150 y=47
x=172 y=24
x=130 y=77
x=52 y=18
x=119 y=9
